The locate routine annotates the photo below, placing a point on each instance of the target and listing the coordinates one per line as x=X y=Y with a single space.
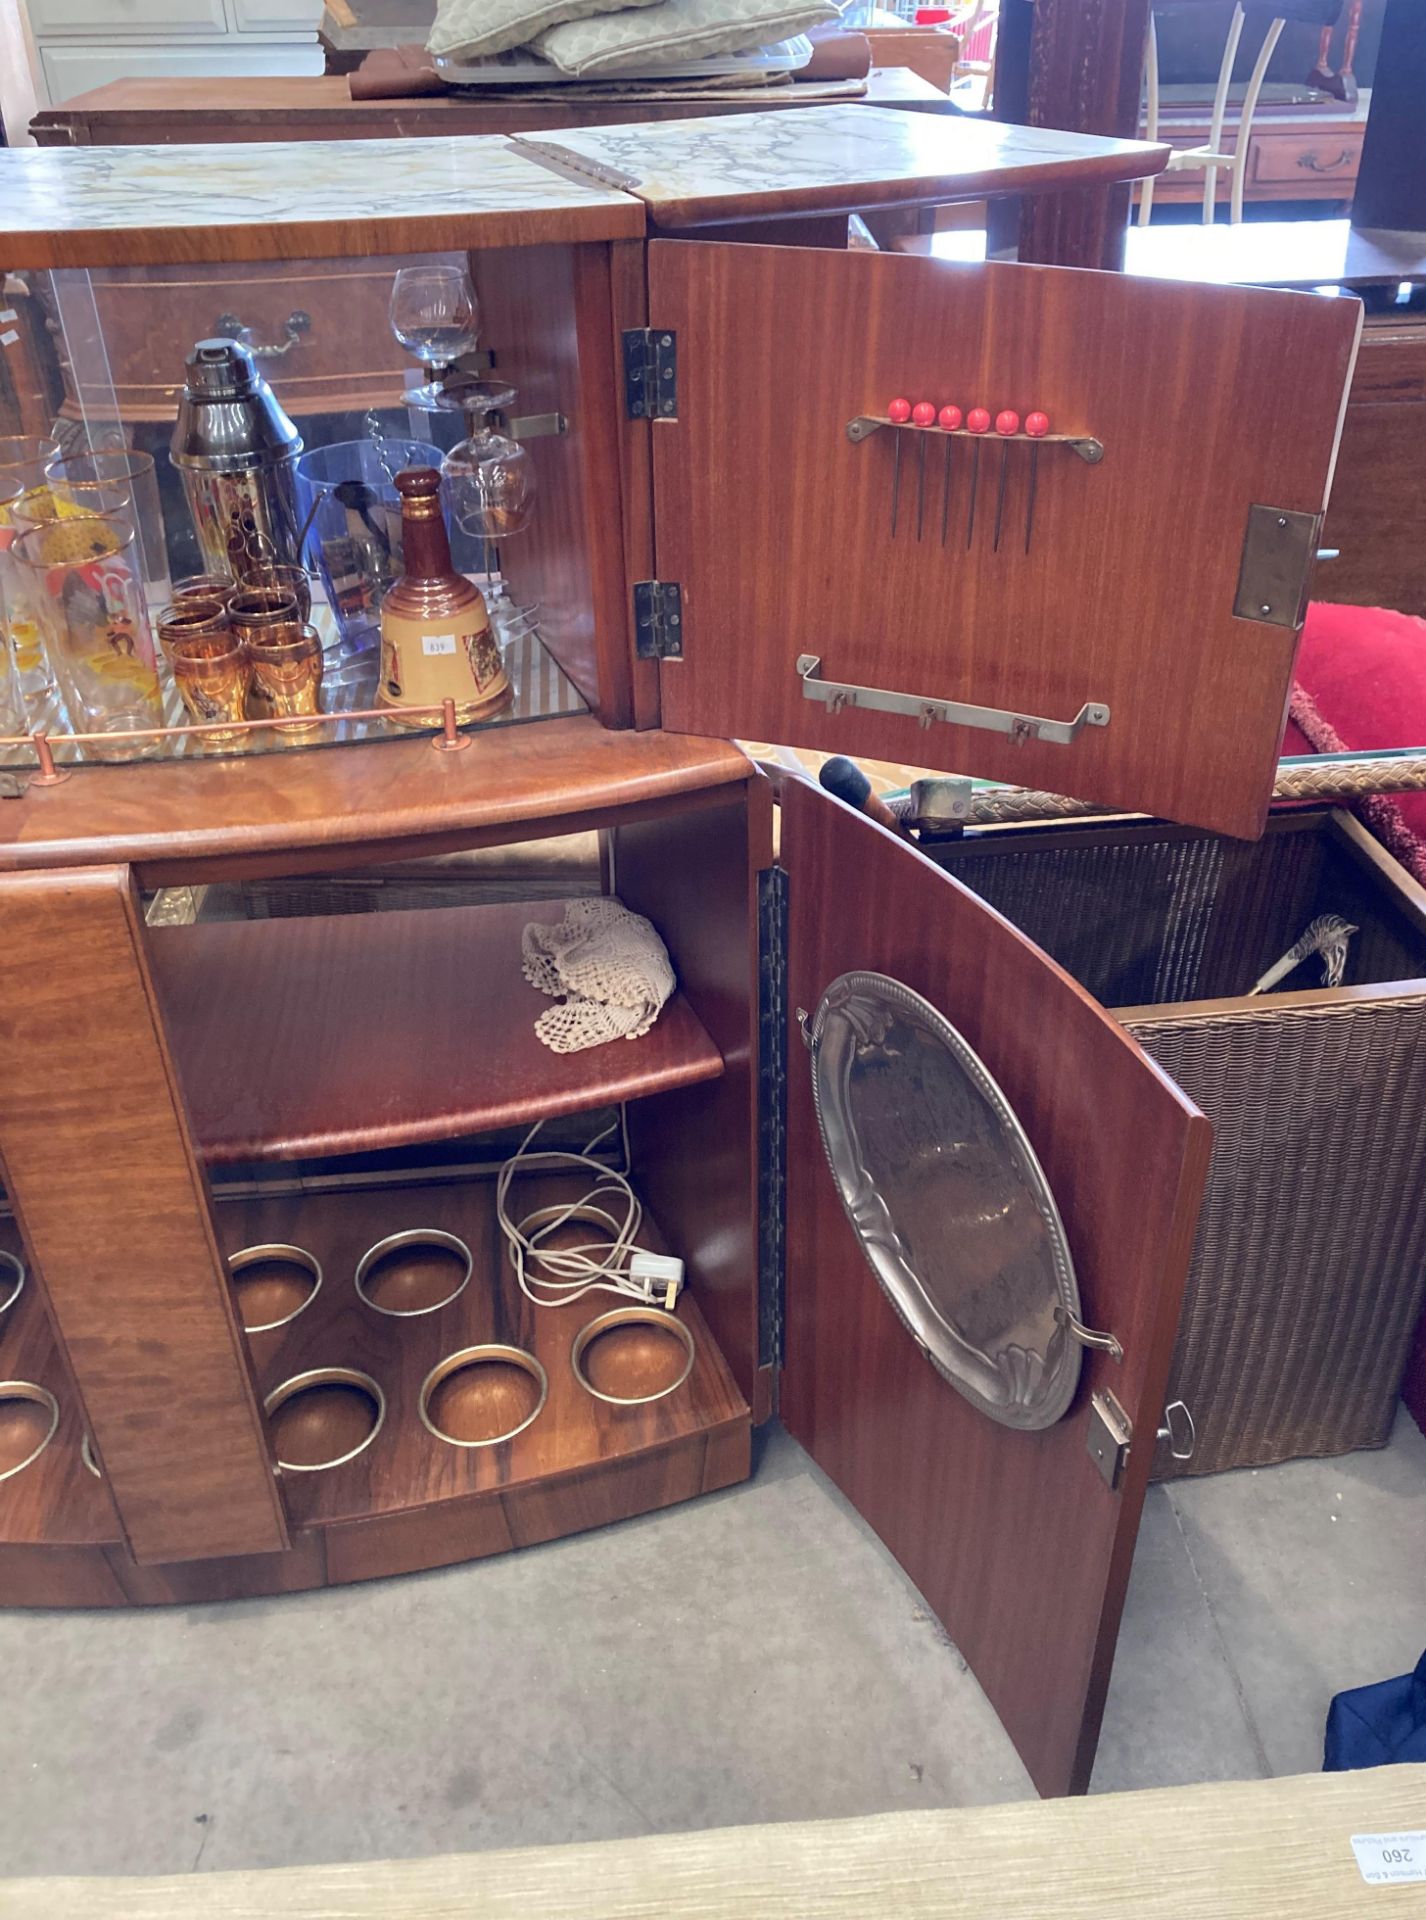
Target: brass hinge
x=650 y=373
x=1279 y=549
x=658 y=620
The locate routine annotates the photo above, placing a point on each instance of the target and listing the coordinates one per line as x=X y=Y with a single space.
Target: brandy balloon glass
x=434 y=313
x=489 y=478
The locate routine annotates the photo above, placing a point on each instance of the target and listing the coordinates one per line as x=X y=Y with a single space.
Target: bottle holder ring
x=483 y=1396
x=19 y=1446
x=344 y=1411
x=273 y=1284
x=12 y=1280
x=412 y=1273
x=632 y=1355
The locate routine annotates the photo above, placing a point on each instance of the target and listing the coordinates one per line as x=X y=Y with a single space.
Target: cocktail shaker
x=236 y=451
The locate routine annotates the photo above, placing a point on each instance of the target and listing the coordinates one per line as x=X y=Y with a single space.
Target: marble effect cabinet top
x=840 y=158
x=266 y=200
x=100 y=206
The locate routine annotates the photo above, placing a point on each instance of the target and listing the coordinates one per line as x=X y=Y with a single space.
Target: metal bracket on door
x=837 y=695
x=1087 y=1337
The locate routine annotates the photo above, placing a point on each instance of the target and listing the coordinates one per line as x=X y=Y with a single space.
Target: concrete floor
x=753 y=1656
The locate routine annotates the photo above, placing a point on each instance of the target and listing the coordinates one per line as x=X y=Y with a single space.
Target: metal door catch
x=1110 y=1433
x=837 y=695
x=1279 y=548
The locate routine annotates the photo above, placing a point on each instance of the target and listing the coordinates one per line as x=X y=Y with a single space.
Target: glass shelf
x=541 y=691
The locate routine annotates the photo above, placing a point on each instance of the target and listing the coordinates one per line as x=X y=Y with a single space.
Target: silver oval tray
x=945 y=1193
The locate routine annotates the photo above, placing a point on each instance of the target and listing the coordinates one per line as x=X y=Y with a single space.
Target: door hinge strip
x=837 y=695
x=1279 y=552
x=772 y=1112
x=650 y=373
x=573 y=166
x=658 y=620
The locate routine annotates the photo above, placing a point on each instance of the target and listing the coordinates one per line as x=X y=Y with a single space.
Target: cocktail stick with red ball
x=1037 y=425
x=898 y=413
x=978 y=421
x=1007 y=423
x=948 y=419
x=923 y=415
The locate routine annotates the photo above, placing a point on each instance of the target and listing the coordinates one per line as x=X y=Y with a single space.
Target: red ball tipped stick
x=899 y=412
x=1007 y=421
x=978 y=420
x=1037 y=425
x=923 y=414
x=949 y=418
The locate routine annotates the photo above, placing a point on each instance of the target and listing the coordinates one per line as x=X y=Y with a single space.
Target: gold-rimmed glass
x=26 y=450
x=85 y=586
x=212 y=672
x=99 y=479
x=192 y=619
x=287 y=676
x=202 y=586
x=282 y=576
x=19 y=624
x=257 y=612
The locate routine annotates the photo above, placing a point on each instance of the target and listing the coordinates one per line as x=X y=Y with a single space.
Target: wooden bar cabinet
x=733 y=541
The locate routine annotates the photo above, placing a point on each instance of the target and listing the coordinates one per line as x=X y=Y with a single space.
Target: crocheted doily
x=606 y=966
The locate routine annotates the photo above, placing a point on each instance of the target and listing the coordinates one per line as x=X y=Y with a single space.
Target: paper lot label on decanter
x=1391 y=1859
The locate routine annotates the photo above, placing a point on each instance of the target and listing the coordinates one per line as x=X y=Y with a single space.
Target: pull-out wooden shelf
x=356 y=1032
x=476 y=1499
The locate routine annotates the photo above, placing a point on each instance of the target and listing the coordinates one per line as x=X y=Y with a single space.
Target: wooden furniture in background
x=1307 y=155
x=162 y=112
x=1076 y=64
x=1275 y=1849
x=84 y=43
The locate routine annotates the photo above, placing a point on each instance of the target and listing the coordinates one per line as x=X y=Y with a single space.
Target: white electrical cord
x=555 y=1276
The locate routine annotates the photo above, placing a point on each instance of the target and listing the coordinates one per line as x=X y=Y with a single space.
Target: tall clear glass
x=97 y=480
x=12 y=699
x=85 y=583
x=19 y=624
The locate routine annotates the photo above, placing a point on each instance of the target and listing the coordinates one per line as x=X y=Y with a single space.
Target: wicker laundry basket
x=1309 y=1269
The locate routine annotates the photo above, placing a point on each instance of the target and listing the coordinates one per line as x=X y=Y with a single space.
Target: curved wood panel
x=1014 y=1538
x=333 y=805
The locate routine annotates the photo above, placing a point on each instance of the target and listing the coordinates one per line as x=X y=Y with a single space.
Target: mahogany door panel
x=1207 y=401
x=1015 y=1538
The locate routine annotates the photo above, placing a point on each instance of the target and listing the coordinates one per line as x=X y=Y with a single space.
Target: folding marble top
x=269 y=200
x=837 y=159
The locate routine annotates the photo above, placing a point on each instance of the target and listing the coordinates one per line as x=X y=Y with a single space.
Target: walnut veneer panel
x=1207 y=400
x=546 y=313
x=352 y=1032
x=347 y=805
x=100 y=1166
x=1014 y=1538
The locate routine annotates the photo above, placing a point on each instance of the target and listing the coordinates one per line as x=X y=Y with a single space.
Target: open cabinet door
x=1129 y=640
x=1016 y=1538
